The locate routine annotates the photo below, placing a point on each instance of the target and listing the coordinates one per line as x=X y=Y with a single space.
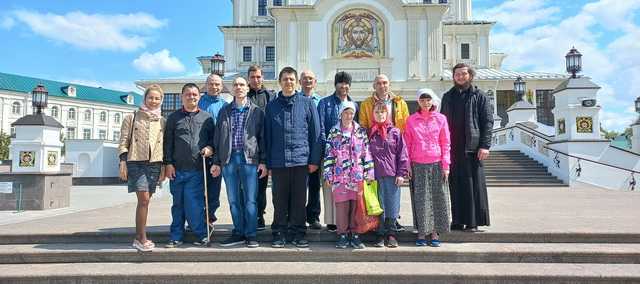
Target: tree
x=5 y=141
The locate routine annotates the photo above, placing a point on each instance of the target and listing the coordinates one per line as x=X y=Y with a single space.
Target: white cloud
x=518 y=14
x=161 y=61
x=92 y=31
x=7 y=23
x=603 y=31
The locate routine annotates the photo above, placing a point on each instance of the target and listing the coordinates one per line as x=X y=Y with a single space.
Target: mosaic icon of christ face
x=359 y=33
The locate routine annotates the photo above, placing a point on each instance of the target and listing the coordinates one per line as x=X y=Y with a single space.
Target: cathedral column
x=303 y=45
x=282 y=42
x=434 y=42
x=413 y=36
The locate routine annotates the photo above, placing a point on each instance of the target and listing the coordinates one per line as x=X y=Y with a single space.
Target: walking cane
x=206 y=201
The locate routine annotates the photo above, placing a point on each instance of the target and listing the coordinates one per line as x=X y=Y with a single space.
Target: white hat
x=346 y=105
x=435 y=100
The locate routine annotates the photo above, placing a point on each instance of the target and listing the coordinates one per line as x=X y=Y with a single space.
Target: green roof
x=24 y=84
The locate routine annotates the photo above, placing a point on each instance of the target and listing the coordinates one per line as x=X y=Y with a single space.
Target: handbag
x=370 y=190
x=363 y=222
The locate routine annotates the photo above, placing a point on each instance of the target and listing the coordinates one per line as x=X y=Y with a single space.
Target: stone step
x=520 y=174
x=326 y=252
x=161 y=234
x=506 y=185
x=525 y=183
x=523 y=179
x=313 y=272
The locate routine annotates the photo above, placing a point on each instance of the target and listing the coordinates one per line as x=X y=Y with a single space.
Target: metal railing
x=578 y=169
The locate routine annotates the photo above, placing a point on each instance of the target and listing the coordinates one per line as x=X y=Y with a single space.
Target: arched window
x=54 y=111
x=103 y=116
x=71 y=114
x=116 y=118
x=16 y=108
x=87 y=115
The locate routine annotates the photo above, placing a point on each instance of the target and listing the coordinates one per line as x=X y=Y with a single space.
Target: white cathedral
x=414 y=42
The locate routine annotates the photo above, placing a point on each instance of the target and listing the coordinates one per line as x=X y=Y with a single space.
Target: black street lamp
x=39 y=98
x=638 y=104
x=217 y=64
x=574 y=62
x=519 y=87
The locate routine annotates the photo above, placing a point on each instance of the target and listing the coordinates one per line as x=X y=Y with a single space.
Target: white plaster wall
x=103 y=157
x=635 y=139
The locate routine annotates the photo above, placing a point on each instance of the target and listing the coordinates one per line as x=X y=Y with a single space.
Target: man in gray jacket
x=239 y=156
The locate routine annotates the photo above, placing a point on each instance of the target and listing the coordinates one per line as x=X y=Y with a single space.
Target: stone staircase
x=99 y=257
x=514 y=169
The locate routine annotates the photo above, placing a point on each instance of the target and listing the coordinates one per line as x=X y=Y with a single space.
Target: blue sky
x=113 y=43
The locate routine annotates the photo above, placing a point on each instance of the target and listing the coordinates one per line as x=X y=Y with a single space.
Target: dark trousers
x=289 y=196
x=262 y=197
x=213 y=193
x=313 y=200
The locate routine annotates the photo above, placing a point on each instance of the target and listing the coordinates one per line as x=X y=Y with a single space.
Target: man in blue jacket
x=292 y=138
x=328 y=111
x=212 y=102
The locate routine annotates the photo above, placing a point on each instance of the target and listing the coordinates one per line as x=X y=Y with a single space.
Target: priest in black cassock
x=470 y=116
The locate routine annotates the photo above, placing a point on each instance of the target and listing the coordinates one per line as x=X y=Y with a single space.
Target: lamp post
x=519 y=87
x=39 y=98
x=574 y=62
x=217 y=64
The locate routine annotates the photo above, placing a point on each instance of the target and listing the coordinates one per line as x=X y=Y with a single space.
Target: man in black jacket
x=470 y=117
x=188 y=136
x=260 y=96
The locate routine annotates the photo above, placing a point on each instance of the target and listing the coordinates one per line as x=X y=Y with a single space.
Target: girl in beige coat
x=141 y=158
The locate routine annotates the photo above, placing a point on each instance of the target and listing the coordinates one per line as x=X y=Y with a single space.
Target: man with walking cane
x=188 y=137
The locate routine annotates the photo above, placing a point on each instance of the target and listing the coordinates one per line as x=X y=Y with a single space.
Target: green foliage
x=5 y=141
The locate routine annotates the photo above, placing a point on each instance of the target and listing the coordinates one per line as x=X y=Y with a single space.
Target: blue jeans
x=389 y=197
x=241 y=180
x=213 y=192
x=187 y=190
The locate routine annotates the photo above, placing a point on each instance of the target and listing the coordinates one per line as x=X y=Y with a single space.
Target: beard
x=464 y=86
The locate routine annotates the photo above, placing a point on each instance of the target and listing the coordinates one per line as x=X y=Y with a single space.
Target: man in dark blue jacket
x=292 y=136
x=328 y=112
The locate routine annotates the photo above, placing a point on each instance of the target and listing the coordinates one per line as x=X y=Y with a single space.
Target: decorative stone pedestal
x=38 y=182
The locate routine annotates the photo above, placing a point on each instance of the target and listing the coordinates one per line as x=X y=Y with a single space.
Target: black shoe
x=472 y=230
x=261 y=226
x=202 y=243
x=315 y=225
x=232 y=241
x=379 y=242
x=278 y=242
x=457 y=227
x=399 y=228
x=252 y=242
x=343 y=241
x=332 y=228
x=356 y=243
x=300 y=242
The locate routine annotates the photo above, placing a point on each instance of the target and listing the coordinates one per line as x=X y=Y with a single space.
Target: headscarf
x=435 y=100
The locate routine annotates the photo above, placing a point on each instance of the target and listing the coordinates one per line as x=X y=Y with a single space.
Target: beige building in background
x=414 y=42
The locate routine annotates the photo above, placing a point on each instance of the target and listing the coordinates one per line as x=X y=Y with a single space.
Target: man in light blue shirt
x=212 y=103
x=308 y=82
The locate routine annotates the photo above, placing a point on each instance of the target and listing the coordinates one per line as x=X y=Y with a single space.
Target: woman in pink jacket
x=427 y=138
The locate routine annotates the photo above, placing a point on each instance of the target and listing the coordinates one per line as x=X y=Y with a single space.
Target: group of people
x=310 y=145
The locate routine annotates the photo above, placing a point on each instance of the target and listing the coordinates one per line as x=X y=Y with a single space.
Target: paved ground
x=584 y=209
x=521 y=210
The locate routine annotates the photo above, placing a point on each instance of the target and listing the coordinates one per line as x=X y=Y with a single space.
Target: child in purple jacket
x=391 y=161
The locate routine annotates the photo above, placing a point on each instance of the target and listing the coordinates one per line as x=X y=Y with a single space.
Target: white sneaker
x=142 y=247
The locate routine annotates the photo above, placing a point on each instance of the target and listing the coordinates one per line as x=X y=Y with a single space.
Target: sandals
x=435 y=242
x=146 y=247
